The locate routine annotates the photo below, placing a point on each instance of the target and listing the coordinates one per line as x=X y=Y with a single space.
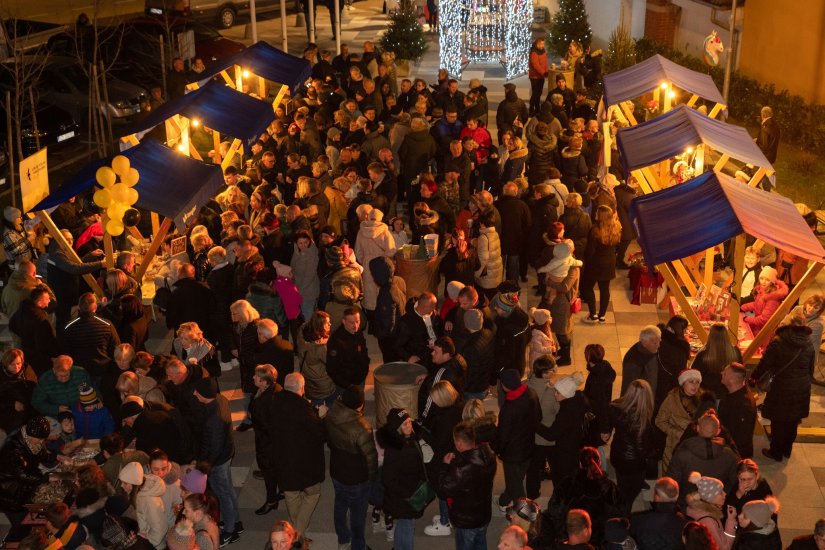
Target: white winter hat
x=132 y=474
x=568 y=385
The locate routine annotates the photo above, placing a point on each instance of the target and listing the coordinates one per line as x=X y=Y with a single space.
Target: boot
x=564 y=356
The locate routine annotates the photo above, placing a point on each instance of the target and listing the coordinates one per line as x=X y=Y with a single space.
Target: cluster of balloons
x=117 y=197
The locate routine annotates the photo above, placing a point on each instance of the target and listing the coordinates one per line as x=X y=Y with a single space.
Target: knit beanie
x=180 y=537
x=510 y=379
x=353 y=397
x=194 y=481
x=38 y=426
x=506 y=302
x=473 y=320
x=453 y=288
x=11 y=213
x=539 y=316
x=769 y=273
x=395 y=418
x=88 y=395
x=760 y=511
x=568 y=385
x=132 y=473
x=709 y=487
x=689 y=374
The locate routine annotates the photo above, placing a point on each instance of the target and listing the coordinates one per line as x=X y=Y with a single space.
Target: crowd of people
x=290 y=268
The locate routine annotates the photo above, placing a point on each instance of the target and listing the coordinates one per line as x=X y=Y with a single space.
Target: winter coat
x=538 y=69
x=415 y=153
x=20 y=472
x=390 y=300
x=624 y=194
x=18 y=288
x=467 y=484
x=401 y=474
x=540 y=345
x=191 y=300
x=151 y=515
x=266 y=301
x=572 y=166
x=566 y=292
x=374 y=239
x=162 y=427
x=518 y=419
x=332 y=282
x=737 y=413
x=659 y=528
x=92 y=424
x=543 y=212
x=16 y=388
x=245 y=340
x=50 y=394
x=577 y=226
x=512 y=337
x=547 y=401
x=598 y=388
x=453 y=371
x=216 y=445
x=312 y=363
x=348 y=360
x=63 y=273
x=266 y=441
x=672 y=419
x=305 y=272
x=515 y=224
x=438 y=433
x=568 y=433
x=791 y=353
x=490 y=272
x=337 y=208
x=711 y=457
x=763 y=306
x=712 y=380
x=90 y=341
x=478 y=350
x=761 y=490
x=631 y=445
x=599 y=259
x=542 y=154
x=38 y=342
x=639 y=364
x=298 y=460
x=761 y=538
x=674 y=353
x=599 y=497
x=412 y=337
x=514 y=165
x=278 y=353
x=509 y=110
x=353 y=457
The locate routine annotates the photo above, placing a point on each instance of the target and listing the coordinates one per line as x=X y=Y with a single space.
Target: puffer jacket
x=402 y=472
x=577 y=226
x=387 y=308
x=267 y=302
x=305 y=272
x=151 y=514
x=548 y=403
x=20 y=473
x=711 y=456
x=763 y=538
x=514 y=165
x=374 y=240
x=540 y=344
x=631 y=446
x=491 y=269
x=467 y=483
x=353 y=457
x=764 y=305
x=542 y=151
x=572 y=167
x=312 y=363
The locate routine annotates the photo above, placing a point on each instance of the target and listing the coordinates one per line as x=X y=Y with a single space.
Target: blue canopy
x=171 y=184
x=219 y=107
x=643 y=77
x=266 y=61
x=712 y=208
x=670 y=134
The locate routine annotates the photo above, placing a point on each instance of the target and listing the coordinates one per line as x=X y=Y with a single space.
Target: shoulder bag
x=424 y=494
x=766 y=380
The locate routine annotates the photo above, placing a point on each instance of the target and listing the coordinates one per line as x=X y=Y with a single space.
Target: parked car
x=222 y=13
x=23 y=35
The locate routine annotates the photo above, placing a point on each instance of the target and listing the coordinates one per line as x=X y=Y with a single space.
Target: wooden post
x=784 y=308
x=238 y=78
x=736 y=288
x=216 y=146
x=280 y=97
x=708 y=280
x=261 y=87
x=685 y=277
x=723 y=160
x=67 y=248
x=155 y=222
x=157 y=240
x=716 y=110
x=692 y=101
x=654 y=182
x=131 y=139
x=228 y=80
x=687 y=311
x=108 y=248
x=628 y=113
x=757 y=177
x=233 y=150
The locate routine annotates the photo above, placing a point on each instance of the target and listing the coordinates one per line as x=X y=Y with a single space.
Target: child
x=398 y=232
x=93 y=419
x=65 y=531
x=63 y=438
x=557 y=268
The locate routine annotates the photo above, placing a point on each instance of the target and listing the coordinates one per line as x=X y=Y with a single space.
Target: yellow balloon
x=131 y=196
x=105 y=176
x=131 y=178
x=114 y=227
x=103 y=198
x=116 y=211
x=120 y=165
x=119 y=192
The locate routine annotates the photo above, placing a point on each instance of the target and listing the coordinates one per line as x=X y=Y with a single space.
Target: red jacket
x=538 y=65
x=764 y=305
x=482 y=137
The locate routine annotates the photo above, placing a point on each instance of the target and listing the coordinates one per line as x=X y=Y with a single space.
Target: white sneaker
x=438 y=530
x=391 y=534
x=436 y=519
x=500 y=508
x=226 y=367
x=378 y=526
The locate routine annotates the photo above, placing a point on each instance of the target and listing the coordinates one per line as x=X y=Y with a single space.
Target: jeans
x=444 y=511
x=220 y=479
x=513 y=482
x=307 y=309
x=471 y=539
x=404 y=534
x=352 y=500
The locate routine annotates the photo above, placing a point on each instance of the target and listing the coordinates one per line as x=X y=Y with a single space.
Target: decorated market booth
x=686 y=219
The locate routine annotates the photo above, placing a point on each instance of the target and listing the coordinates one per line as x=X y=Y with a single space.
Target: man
x=737 y=409
x=579 y=530
x=191 y=301
x=513 y=538
x=19 y=287
x=126 y=263
x=299 y=460
x=418 y=329
x=625 y=192
x=348 y=360
x=383 y=183
x=467 y=483
x=543 y=212
x=581 y=106
x=515 y=438
x=57 y=390
x=661 y=526
x=154 y=428
x=353 y=464
x=64 y=529
x=515 y=229
x=512 y=112
x=468 y=298
x=63 y=275
x=566 y=93
x=478 y=350
x=448 y=128
x=115 y=457
x=31 y=325
x=458 y=160
x=815 y=541
x=179 y=389
x=642 y=360
x=89 y=339
x=512 y=334
x=407 y=95
x=274 y=350
x=217 y=448
x=447 y=366
x=769 y=133
x=452 y=97
x=176 y=79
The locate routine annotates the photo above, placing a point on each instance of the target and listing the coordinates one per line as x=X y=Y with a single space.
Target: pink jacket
x=764 y=305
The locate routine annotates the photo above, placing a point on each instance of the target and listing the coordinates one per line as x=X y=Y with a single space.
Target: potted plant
x=404 y=37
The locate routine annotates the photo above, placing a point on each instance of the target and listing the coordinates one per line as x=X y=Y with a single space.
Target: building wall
x=606 y=15
x=770 y=27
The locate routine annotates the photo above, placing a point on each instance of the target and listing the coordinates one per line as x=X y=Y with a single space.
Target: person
x=16 y=243
x=274 y=350
x=705 y=506
x=756 y=526
x=769 y=134
x=674 y=353
x=146 y=491
x=197 y=509
x=92 y=418
x=266 y=382
x=642 y=360
x=63 y=276
x=32 y=326
x=544 y=370
x=353 y=464
x=538 y=73
x=512 y=538
x=191 y=300
x=600 y=261
x=541 y=338
x=737 y=408
x=789 y=357
x=466 y=481
x=89 y=339
x=515 y=228
x=245 y=346
x=179 y=389
x=714 y=357
x=557 y=269
x=661 y=526
x=418 y=329
x=814 y=541
x=768 y=296
x=299 y=465
x=511 y=334
x=155 y=428
x=177 y=79
x=478 y=350
x=696 y=536
x=19 y=286
x=579 y=530
x=348 y=360
x=812 y=310
x=17 y=382
x=402 y=473
x=58 y=389
x=312 y=353
x=526 y=514
x=65 y=531
x=191 y=347
x=678 y=410
x=374 y=239
x=283 y=536
x=511 y=113
x=389 y=304
x=447 y=366
x=631 y=419
x=750 y=485
x=598 y=389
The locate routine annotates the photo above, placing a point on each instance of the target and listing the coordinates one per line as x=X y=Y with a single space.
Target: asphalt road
x=61 y=11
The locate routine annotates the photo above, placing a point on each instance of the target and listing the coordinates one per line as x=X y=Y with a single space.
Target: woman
x=558 y=299
x=283 y=536
x=573 y=166
x=577 y=224
x=257 y=208
x=204 y=517
x=265 y=380
x=312 y=359
x=541 y=337
x=484 y=422
x=712 y=359
x=201 y=244
x=705 y=507
x=244 y=347
x=17 y=382
x=526 y=514
x=516 y=161
x=193 y=349
x=600 y=261
x=696 y=536
x=768 y=296
x=544 y=370
x=145 y=491
x=749 y=485
x=598 y=389
x=674 y=352
x=812 y=311
x=133 y=328
x=123 y=355
x=569 y=427
x=631 y=419
x=402 y=473
x=678 y=410
x=490 y=268
x=15 y=241
x=757 y=529
x=538 y=73
x=588 y=488
x=790 y=357
x=131 y=383
x=304 y=264
x=374 y=239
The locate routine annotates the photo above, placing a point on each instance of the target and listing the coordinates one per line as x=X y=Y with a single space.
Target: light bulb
x=663 y=85
x=245 y=73
x=181 y=148
x=196 y=122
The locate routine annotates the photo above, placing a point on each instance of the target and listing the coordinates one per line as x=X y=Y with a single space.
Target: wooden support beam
x=784 y=308
x=216 y=146
x=280 y=97
x=108 y=248
x=135 y=232
x=131 y=139
x=757 y=176
x=654 y=182
x=685 y=278
x=233 y=149
x=692 y=101
x=693 y=269
x=238 y=78
x=716 y=110
x=735 y=300
x=261 y=87
x=687 y=311
x=723 y=160
x=226 y=79
x=708 y=279
x=641 y=179
x=155 y=222
x=628 y=113
x=67 y=248
x=157 y=241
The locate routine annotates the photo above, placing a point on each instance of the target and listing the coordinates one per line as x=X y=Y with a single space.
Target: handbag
x=766 y=380
x=576 y=305
x=424 y=494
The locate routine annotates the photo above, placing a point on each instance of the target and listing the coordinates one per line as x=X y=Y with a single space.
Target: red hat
x=431 y=185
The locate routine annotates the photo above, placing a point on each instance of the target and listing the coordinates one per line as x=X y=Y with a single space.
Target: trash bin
x=395 y=387
x=419 y=275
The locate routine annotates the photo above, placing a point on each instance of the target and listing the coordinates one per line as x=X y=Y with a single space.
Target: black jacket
x=468 y=483
x=478 y=351
x=674 y=353
x=353 y=458
x=64 y=273
x=737 y=413
x=90 y=341
x=598 y=388
x=518 y=420
x=577 y=226
x=624 y=194
x=402 y=472
x=191 y=300
x=759 y=492
x=751 y=538
x=348 y=361
x=16 y=388
x=543 y=212
x=387 y=311
x=568 y=433
x=599 y=497
x=299 y=457
x=512 y=337
x=437 y=430
x=412 y=337
x=36 y=333
x=156 y=428
x=266 y=440
x=217 y=445
x=515 y=224
x=791 y=356
x=631 y=446
x=453 y=371
x=599 y=259
x=659 y=528
x=278 y=353
x=20 y=473
x=711 y=457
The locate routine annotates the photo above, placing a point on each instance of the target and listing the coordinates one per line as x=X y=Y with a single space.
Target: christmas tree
x=569 y=23
x=404 y=36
